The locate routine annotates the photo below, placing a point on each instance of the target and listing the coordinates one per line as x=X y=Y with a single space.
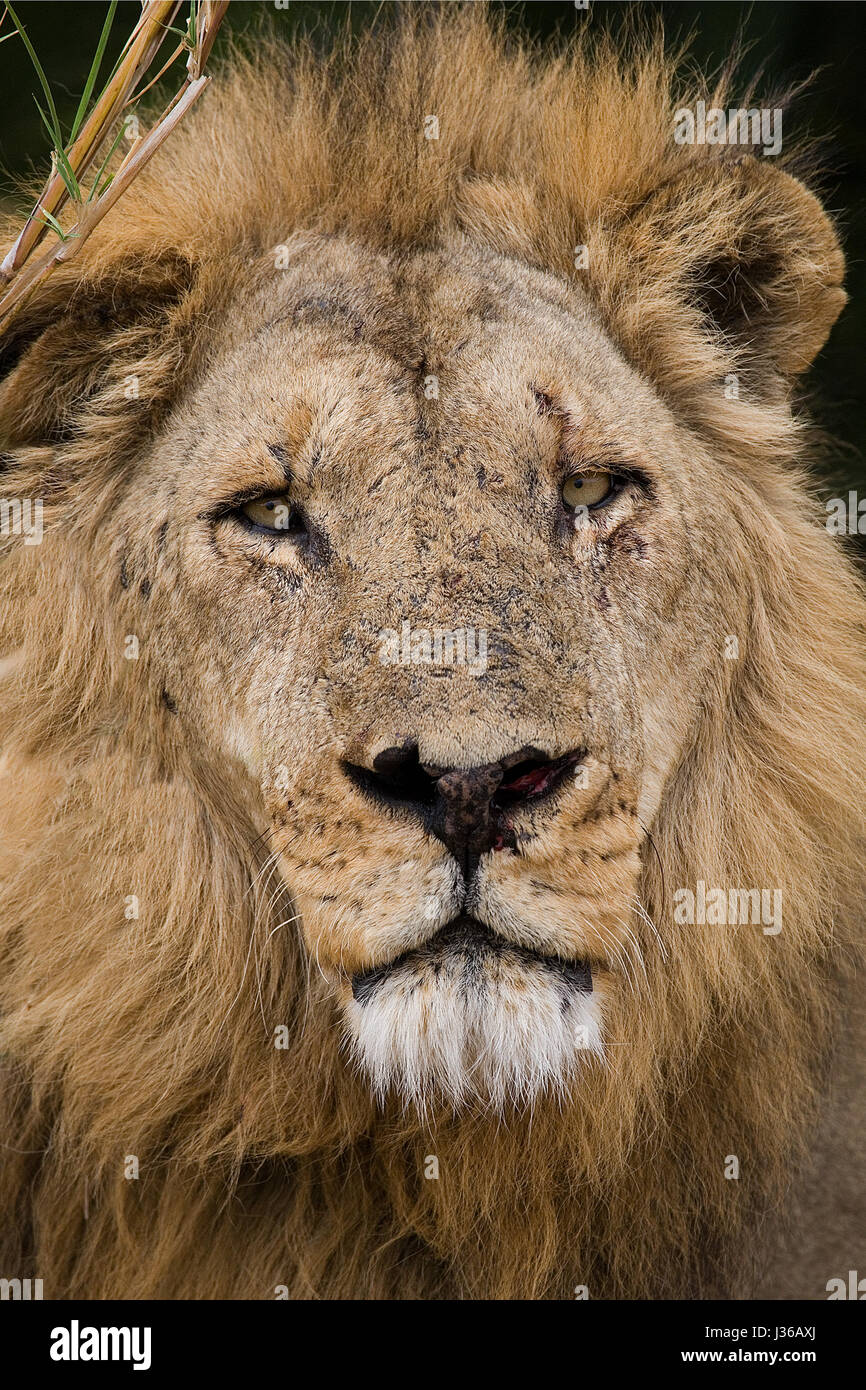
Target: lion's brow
x=281 y=454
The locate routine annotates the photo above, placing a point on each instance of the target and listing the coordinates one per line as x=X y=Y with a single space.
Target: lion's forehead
x=429 y=360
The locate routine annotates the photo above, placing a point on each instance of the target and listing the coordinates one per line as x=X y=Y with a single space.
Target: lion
x=432 y=720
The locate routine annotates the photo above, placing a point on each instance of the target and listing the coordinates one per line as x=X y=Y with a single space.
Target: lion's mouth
x=468 y=949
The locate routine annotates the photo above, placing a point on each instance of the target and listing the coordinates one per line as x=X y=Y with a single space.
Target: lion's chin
x=470 y=1018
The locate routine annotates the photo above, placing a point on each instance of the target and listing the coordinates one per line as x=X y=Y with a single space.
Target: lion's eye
x=588 y=489
x=274 y=513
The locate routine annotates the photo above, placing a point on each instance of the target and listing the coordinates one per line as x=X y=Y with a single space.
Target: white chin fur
x=500 y=1032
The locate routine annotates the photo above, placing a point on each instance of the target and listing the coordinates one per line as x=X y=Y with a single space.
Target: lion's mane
x=151 y=1038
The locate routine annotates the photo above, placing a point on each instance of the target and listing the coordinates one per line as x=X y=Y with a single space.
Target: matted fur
x=154 y=1038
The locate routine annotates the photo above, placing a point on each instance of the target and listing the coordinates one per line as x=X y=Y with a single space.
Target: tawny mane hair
x=153 y=1037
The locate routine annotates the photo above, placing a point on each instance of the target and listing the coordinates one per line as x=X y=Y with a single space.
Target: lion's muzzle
x=468 y=809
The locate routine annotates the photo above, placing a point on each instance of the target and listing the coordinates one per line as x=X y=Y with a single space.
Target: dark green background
x=788 y=40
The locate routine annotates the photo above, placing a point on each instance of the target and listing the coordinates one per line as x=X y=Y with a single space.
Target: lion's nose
x=466 y=808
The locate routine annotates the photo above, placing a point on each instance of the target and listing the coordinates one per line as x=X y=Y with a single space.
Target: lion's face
x=458 y=690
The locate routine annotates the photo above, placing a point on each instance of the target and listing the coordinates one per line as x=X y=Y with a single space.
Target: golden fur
x=153 y=1037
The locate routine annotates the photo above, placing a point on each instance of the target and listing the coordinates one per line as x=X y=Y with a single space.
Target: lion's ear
x=80 y=334
x=736 y=251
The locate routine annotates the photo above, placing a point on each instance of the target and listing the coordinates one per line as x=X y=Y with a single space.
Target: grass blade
x=106 y=161
x=64 y=168
x=57 y=132
x=94 y=71
x=55 y=225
